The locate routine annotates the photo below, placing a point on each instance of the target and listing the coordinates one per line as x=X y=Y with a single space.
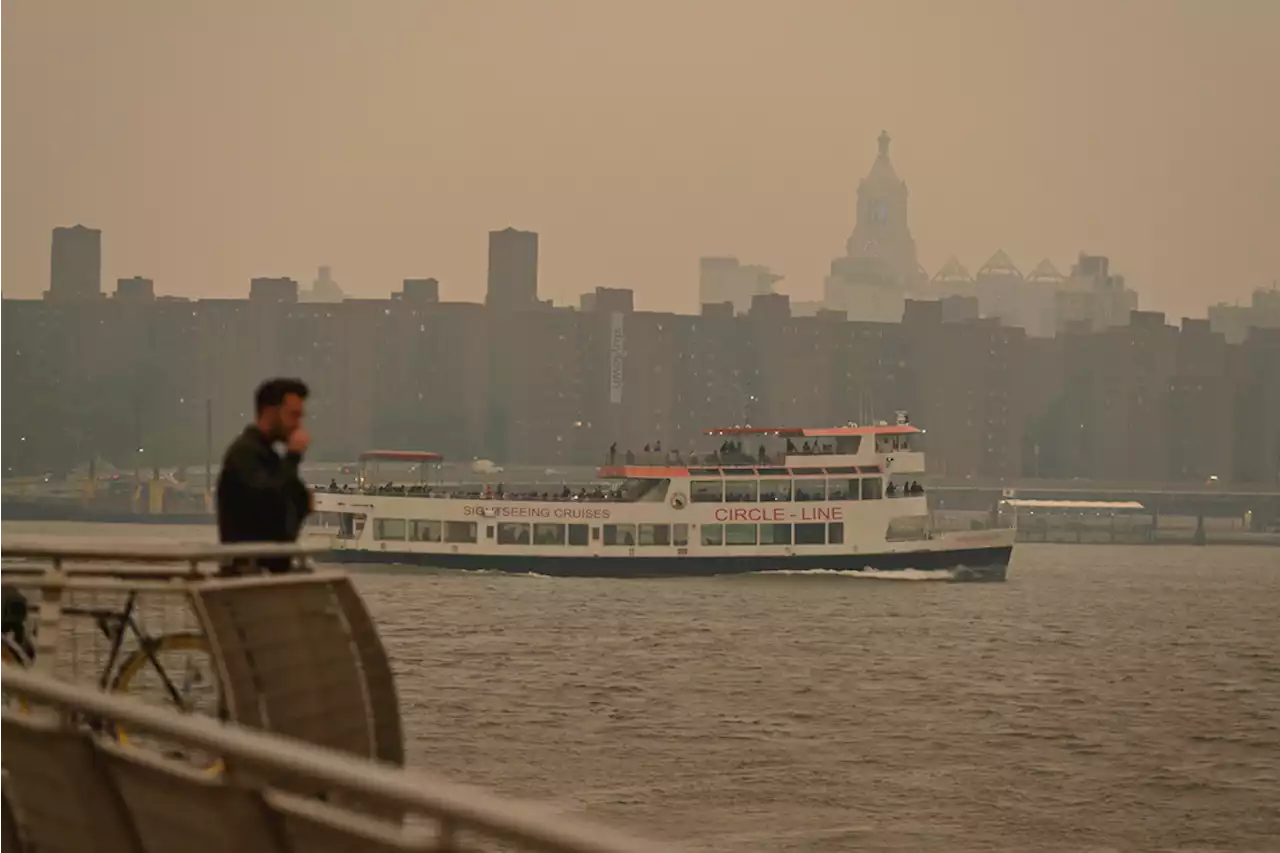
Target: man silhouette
x=261 y=497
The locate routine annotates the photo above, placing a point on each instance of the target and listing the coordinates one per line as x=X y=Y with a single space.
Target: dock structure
x=291 y=743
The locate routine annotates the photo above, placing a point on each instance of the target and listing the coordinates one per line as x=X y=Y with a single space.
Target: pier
x=291 y=743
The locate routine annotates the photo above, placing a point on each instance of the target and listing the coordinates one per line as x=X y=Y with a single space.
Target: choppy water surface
x=1105 y=698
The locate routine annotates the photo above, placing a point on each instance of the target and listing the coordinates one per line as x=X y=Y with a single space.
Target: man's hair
x=273 y=391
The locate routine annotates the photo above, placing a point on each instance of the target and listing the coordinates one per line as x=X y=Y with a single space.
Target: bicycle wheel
x=177 y=669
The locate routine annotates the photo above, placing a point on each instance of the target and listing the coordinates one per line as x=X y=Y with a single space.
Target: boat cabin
x=419 y=465
x=767 y=451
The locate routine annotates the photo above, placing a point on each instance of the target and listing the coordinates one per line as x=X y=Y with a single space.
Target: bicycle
x=121 y=671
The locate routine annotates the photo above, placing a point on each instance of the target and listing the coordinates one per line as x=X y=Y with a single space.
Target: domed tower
x=880 y=255
x=881 y=230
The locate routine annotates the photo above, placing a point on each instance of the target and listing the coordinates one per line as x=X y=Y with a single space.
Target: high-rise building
x=728 y=280
x=273 y=290
x=513 y=269
x=323 y=289
x=75 y=270
x=420 y=290
x=135 y=289
x=1094 y=296
x=879 y=264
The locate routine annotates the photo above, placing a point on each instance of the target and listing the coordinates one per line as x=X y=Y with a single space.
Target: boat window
x=811 y=534
x=389 y=529
x=350 y=524
x=426 y=531
x=835 y=533
x=513 y=533
x=595 y=534
x=775 y=490
x=680 y=535
x=742 y=491
x=773 y=472
x=635 y=488
x=578 y=534
x=843 y=469
x=460 y=531
x=739 y=534
x=811 y=490
x=705 y=472
x=619 y=534
x=548 y=534
x=838 y=490
x=655 y=534
x=872 y=489
x=713 y=534
x=849 y=488
x=706 y=491
x=775 y=534
x=806 y=470
x=869 y=469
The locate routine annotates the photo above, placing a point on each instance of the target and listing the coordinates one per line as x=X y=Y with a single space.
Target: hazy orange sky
x=217 y=141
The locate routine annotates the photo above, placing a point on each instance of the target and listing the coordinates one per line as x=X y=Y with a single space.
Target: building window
x=739 y=534
x=427 y=531
x=578 y=534
x=713 y=534
x=513 y=533
x=835 y=533
x=389 y=529
x=620 y=534
x=548 y=534
x=706 y=491
x=811 y=534
x=775 y=534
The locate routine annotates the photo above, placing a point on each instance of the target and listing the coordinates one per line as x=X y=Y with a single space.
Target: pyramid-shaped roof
x=1045 y=271
x=952 y=271
x=999 y=264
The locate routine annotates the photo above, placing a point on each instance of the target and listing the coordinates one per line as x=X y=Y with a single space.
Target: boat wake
x=869 y=574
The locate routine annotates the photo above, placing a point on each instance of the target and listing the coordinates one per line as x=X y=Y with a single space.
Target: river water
x=1104 y=699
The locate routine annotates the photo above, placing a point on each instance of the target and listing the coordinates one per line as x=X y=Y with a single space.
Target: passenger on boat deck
x=613 y=453
x=261 y=497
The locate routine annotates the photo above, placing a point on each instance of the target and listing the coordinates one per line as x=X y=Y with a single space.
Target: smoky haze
x=216 y=142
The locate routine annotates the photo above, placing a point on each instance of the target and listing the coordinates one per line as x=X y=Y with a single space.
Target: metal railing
x=456 y=811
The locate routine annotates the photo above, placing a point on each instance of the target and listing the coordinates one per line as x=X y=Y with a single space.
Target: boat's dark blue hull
x=971 y=564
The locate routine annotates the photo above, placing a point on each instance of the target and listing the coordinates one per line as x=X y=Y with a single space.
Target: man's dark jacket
x=261 y=498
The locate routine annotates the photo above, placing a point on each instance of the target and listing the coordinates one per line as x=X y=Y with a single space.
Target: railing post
x=50 y=614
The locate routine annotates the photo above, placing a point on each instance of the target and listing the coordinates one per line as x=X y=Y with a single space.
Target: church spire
x=883 y=140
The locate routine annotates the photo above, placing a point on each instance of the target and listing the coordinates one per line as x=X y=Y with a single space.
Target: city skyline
x=396 y=154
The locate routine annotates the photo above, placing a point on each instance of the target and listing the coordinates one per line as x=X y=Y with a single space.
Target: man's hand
x=299 y=441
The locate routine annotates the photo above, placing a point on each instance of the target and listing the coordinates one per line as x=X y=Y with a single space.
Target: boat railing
x=481 y=493
x=68 y=787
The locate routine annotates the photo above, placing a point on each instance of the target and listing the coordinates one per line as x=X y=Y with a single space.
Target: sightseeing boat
x=839 y=499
